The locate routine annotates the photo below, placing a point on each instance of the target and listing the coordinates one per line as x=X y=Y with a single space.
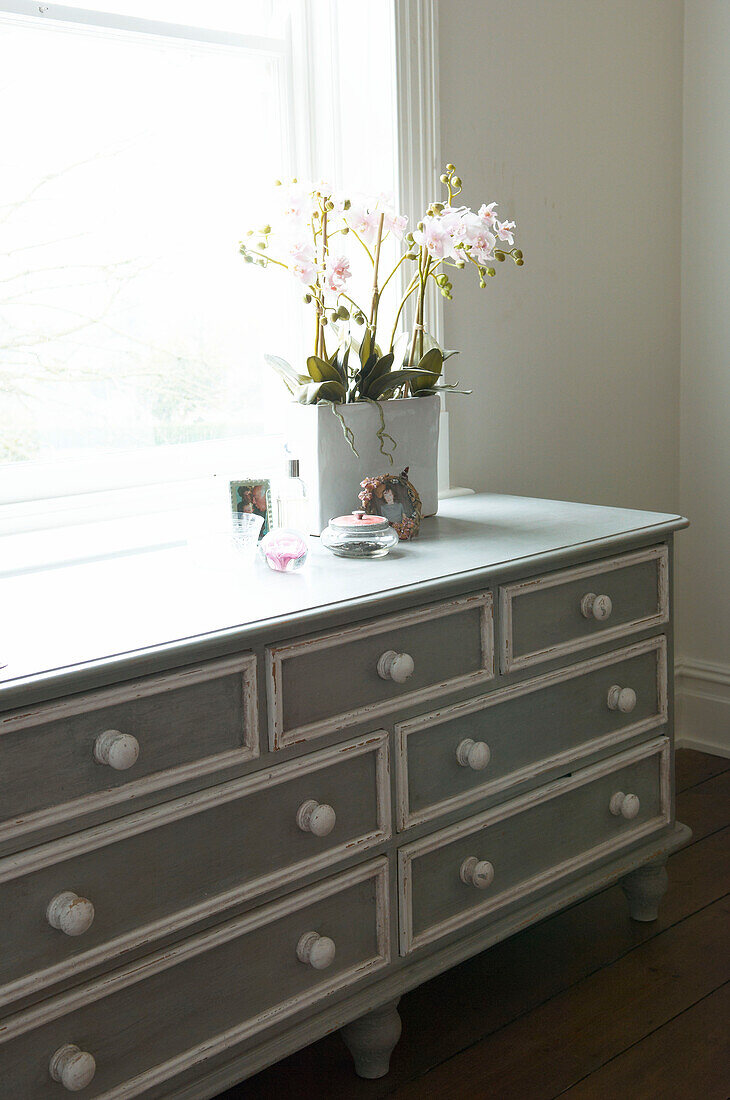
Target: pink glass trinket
x=285 y=550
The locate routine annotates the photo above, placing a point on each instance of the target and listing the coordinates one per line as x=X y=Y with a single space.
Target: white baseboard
x=703 y=707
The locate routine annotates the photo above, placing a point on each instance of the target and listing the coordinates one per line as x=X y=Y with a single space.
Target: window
x=135 y=154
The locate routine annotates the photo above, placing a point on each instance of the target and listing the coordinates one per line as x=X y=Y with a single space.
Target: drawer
x=456 y=755
x=333 y=680
x=185 y=724
x=464 y=873
x=186 y=1004
x=567 y=611
x=157 y=871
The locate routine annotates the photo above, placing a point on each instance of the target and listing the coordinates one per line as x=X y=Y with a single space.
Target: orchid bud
x=420 y=226
x=247 y=259
x=410 y=238
x=450 y=167
x=438 y=207
x=345 y=229
x=482 y=284
x=519 y=263
x=517 y=254
x=461 y=264
x=277 y=183
x=456 y=181
x=360 y=319
x=261 y=245
x=294 y=179
x=346 y=204
x=343 y=313
x=266 y=230
x=491 y=272
x=444 y=179
x=411 y=255
x=329 y=205
x=307 y=299
x=323 y=321
x=498 y=255
x=249 y=232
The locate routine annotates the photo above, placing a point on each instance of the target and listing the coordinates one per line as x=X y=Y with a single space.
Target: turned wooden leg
x=372 y=1039
x=644 y=888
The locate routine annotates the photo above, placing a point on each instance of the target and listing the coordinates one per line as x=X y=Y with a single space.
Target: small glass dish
x=246 y=527
x=284 y=550
x=359 y=536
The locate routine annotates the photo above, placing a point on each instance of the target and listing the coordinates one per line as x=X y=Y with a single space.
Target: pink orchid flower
x=504 y=232
x=337 y=272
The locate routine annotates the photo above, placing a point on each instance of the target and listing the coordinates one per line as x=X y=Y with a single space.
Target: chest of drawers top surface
x=86 y=625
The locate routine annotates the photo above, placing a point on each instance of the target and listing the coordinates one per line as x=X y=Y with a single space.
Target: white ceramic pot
x=332 y=472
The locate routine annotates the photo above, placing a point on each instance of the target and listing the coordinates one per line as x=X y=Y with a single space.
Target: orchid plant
x=349 y=360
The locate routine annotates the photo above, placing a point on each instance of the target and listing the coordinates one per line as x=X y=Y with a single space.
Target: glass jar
x=359 y=536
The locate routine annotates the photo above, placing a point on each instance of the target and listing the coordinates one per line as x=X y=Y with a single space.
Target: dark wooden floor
x=587 y=1005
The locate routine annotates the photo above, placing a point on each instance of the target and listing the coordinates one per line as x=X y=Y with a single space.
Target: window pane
x=257 y=17
x=129 y=172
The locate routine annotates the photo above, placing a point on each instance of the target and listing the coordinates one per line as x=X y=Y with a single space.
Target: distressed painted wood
x=372 y=1039
x=563 y=716
x=473 y=542
x=256 y=909
x=528 y=844
x=145 y=1024
x=390 y=662
x=159 y=871
x=559 y=613
x=89 y=752
x=644 y=889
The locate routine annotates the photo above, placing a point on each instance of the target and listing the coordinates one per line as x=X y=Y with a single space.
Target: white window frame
x=120 y=484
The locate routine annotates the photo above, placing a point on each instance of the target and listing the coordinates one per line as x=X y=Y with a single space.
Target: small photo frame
x=253 y=495
x=395 y=499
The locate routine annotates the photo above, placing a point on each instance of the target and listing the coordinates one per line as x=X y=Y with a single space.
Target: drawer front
x=155 y=872
x=530 y=843
x=456 y=755
x=330 y=681
x=553 y=615
x=185 y=724
x=146 y=1024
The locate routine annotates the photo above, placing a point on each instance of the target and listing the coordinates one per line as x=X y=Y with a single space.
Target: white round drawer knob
x=624 y=805
x=316 y=951
x=623 y=699
x=395 y=666
x=473 y=754
x=317 y=818
x=72 y=1067
x=117 y=750
x=596 y=607
x=70 y=914
x=477 y=872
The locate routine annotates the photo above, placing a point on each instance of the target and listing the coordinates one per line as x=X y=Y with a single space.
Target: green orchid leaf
x=341 y=357
x=292 y=380
x=366 y=346
x=314 y=392
x=392 y=380
x=380 y=368
x=444 y=387
x=321 y=371
x=334 y=392
x=432 y=361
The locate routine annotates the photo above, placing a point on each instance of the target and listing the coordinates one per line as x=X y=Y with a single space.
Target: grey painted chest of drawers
x=239 y=810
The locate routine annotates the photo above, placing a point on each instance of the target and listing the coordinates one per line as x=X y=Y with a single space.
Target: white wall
x=568 y=112
x=703 y=551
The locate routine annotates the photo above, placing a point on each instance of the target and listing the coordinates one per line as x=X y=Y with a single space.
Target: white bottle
x=292 y=506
